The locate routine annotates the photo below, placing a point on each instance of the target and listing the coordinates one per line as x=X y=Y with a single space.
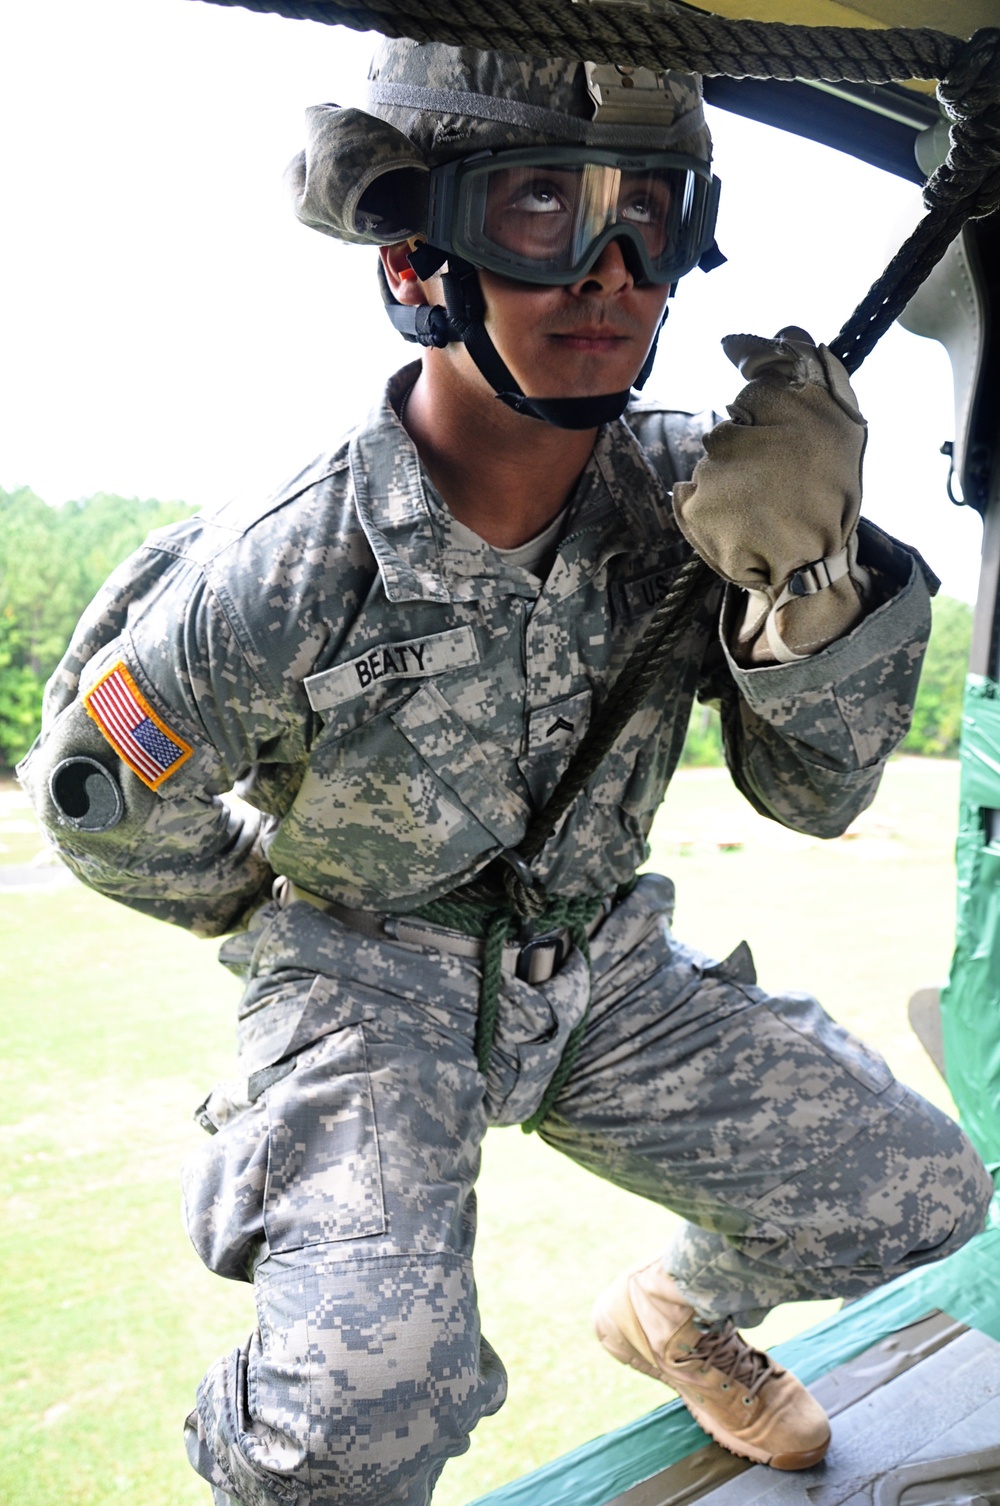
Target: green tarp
x=970 y=1004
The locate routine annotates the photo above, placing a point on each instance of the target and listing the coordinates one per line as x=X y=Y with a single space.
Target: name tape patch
x=138 y=735
x=414 y=659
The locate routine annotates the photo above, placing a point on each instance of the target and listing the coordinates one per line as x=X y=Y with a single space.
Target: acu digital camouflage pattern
x=426 y=107
x=392 y=702
x=754 y=1115
x=546 y=102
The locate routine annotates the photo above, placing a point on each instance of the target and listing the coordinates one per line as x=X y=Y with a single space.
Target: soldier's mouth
x=593 y=339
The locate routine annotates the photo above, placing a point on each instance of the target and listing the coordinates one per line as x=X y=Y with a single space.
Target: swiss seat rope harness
x=506 y=900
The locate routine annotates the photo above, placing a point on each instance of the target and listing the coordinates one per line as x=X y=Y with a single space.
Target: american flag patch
x=133 y=728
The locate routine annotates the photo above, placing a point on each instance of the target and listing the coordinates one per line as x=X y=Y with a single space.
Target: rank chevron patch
x=140 y=737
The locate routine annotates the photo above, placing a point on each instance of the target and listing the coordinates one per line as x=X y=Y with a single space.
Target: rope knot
x=528 y=900
x=522 y=891
x=970 y=96
x=972 y=83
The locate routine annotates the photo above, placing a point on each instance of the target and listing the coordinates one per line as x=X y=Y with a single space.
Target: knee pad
x=363 y=1379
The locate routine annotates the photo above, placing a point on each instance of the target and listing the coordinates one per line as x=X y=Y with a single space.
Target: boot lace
x=729 y=1352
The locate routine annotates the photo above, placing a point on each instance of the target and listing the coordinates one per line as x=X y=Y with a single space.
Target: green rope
x=497 y=925
x=571 y=1050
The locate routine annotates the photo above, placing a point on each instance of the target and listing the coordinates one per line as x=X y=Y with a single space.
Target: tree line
x=53 y=560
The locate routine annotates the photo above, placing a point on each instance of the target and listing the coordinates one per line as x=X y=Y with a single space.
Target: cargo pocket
x=293 y=1159
x=232 y=1447
x=324 y=1177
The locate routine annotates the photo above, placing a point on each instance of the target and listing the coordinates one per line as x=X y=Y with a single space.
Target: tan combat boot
x=737 y=1394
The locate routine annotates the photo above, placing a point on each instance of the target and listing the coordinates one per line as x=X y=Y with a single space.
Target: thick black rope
x=653 y=37
x=966 y=186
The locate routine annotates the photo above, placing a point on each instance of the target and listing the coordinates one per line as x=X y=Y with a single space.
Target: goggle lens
x=548 y=220
x=552 y=215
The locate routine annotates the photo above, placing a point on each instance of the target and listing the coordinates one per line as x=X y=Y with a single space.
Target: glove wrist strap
x=806 y=581
x=815 y=577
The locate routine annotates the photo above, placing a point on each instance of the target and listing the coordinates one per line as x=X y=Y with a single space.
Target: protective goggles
x=546 y=214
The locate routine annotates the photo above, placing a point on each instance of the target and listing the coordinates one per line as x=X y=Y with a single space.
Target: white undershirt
x=535 y=556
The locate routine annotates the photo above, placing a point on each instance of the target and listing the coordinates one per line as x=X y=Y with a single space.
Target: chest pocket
x=396 y=804
x=553 y=734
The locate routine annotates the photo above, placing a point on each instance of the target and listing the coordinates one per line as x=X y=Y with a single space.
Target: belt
x=534 y=960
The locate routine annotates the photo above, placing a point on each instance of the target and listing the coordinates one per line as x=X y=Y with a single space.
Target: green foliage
x=52 y=563
x=937 y=717
x=703 y=744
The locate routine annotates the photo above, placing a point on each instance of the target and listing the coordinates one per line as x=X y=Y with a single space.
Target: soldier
x=392 y=660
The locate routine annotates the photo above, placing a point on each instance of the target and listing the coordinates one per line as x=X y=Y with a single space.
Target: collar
x=620 y=506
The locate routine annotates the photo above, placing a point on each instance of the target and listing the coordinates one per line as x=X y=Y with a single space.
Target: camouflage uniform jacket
x=392 y=703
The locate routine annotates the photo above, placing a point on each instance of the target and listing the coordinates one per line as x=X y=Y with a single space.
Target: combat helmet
x=457 y=145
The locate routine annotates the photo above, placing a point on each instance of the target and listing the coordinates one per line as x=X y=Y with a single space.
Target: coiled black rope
x=651 y=35
x=966 y=186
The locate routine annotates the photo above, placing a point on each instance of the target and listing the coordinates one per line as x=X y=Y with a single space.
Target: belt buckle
x=551 y=947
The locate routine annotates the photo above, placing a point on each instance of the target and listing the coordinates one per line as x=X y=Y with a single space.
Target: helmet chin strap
x=464 y=319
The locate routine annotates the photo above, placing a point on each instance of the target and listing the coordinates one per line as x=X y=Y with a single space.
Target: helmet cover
x=363 y=175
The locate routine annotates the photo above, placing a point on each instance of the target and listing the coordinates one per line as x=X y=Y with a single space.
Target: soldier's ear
x=404 y=283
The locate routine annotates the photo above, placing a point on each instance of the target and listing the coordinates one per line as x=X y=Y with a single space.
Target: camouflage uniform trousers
x=341 y=1177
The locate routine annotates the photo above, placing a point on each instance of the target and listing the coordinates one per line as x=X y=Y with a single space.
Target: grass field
x=114 y=1027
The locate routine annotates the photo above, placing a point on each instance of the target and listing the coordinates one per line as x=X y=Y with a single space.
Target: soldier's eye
x=644 y=203
x=538 y=198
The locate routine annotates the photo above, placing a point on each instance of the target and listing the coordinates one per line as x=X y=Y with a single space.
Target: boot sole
x=614 y=1341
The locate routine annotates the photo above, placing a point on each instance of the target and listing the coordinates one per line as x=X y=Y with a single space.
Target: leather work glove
x=773 y=506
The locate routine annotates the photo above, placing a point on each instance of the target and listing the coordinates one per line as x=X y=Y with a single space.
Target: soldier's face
x=577 y=341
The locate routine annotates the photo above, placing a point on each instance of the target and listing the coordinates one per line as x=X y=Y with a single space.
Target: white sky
x=168 y=328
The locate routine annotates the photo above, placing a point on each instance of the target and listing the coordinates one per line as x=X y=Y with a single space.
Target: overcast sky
x=168 y=328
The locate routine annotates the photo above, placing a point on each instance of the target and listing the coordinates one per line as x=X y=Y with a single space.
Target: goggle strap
x=712 y=257
x=650 y=134
x=426 y=259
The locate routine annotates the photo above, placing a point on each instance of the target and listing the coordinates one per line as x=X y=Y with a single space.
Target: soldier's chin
x=601 y=378
x=594 y=374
